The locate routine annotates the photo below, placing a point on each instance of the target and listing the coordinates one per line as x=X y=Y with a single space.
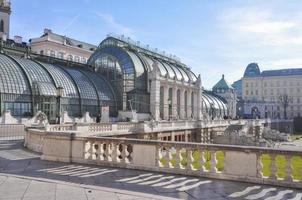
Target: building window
x=84 y=60
x=247 y=92
x=77 y=59
x=60 y=55
x=256 y=92
x=247 y=84
x=52 y=53
x=70 y=57
x=41 y=52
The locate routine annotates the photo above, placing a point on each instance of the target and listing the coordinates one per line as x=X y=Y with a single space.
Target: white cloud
x=265 y=27
x=116 y=26
x=283 y=63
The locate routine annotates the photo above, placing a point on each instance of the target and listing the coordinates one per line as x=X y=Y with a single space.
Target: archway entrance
x=255 y=112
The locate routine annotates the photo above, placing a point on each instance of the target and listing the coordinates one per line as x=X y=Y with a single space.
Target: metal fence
x=12 y=131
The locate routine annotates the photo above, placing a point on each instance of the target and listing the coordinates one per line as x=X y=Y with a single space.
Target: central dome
x=252 y=70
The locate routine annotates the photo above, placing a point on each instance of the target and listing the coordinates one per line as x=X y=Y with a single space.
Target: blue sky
x=213 y=37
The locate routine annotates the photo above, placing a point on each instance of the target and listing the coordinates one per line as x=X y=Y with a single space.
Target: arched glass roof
x=104 y=90
x=217 y=103
x=148 y=61
x=12 y=78
x=169 y=69
x=184 y=74
x=167 y=65
x=122 y=56
x=32 y=82
x=62 y=79
x=86 y=88
x=162 y=69
x=139 y=68
x=38 y=77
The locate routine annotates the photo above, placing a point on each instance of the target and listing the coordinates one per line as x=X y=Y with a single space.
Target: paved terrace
x=23 y=175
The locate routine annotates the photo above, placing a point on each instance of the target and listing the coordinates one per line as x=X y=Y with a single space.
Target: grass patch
x=196 y=157
x=296 y=137
x=296 y=163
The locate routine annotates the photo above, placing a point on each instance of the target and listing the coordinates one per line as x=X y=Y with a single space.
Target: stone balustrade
x=61 y=127
x=122 y=128
x=94 y=128
x=249 y=164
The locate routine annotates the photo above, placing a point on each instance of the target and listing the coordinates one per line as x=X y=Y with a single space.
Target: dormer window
x=80 y=46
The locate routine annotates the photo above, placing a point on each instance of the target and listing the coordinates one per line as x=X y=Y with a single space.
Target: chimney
x=18 y=39
x=47 y=30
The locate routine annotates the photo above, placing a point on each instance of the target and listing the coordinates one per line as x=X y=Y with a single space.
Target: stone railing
x=61 y=127
x=93 y=128
x=140 y=127
x=127 y=126
x=249 y=164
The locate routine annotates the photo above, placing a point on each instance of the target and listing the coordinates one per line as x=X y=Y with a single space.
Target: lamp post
x=59 y=91
x=132 y=112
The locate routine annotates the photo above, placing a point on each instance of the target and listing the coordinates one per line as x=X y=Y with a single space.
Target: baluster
x=96 y=148
x=190 y=159
x=114 y=153
x=87 y=150
x=101 y=152
x=259 y=165
x=90 y=150
x=273 y=167
x=159 y=156
x=213 y=161
x=108 y=152
x=124 y=153
x=167 y=157
x=202 y=161
x=223 y=162
x=288 y=168
x=177 y=158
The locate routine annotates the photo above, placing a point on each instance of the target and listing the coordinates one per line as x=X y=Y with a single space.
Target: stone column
x=166 y=104
x=189 y=110
x=182 y=104
x=155 y=93
x=198 y=102
x=174 y=102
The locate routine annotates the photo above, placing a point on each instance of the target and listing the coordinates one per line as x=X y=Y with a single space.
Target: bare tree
x=284 y=101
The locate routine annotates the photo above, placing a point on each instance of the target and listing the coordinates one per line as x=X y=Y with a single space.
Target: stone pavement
x=24 y=176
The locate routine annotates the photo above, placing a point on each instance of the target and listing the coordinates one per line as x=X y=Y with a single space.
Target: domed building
x=252 y=70
x=227 y=93
x=274 y=94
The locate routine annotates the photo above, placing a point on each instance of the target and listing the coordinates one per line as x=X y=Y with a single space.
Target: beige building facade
x=5 y=11
x=62 y=47
x=275 y=94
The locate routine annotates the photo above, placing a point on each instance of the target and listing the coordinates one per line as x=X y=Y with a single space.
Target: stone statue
x=41 y=119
